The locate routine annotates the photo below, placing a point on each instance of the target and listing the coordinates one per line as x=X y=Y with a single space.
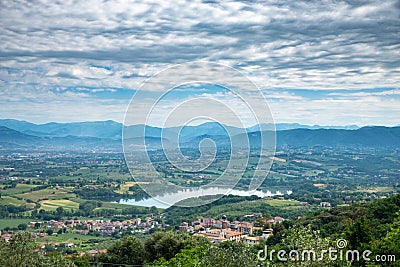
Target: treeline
x=108 y=194
x=103 y=193
x=234 y=207
x=21 y=250
x=379 y=214
x=11 y=211
x=86 y=209
x=159 y=249
x=374 y=226
x=175 y=215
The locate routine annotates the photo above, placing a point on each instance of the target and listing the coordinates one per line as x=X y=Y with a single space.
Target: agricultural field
x=48 y=181
x=48 y=193
x=13 y=223
x=55 y=203
x=282 y=203
x=18 y=189
x=7 y=200
x=70 y=237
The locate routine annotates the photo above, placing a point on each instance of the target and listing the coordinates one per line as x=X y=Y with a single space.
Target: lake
x=166 y=200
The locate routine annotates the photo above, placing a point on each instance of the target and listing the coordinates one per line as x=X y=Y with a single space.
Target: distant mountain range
x=112 y=129
x=100 y=129
x=107 y=135
x=12 y=139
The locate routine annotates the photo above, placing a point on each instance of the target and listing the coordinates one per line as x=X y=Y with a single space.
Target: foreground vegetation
x=374 y=226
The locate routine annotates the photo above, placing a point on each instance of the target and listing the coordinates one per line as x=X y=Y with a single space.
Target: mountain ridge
x=369 y=136
x=113 y=129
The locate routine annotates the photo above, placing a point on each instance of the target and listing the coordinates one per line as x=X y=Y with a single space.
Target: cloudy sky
x=316 y=62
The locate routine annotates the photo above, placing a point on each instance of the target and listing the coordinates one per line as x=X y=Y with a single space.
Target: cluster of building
x=104 y=227
x=218 y=231
x=7 y=236
x=58 y=245
x=11 y=178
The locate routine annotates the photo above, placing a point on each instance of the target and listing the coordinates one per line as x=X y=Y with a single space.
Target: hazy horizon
x=276 y=123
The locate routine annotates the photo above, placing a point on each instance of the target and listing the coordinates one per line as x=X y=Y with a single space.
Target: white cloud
x=315 y=45
x=393 y=92
x=365 y=109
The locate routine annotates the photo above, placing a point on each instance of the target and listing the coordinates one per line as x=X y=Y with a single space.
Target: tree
x=359 y=234
x=128 y=251
x=20 y=251
x=150 y=246
x=87 y=207
x=22 y=226
x=80 y=261
x=54 y=259
x=300 y=239
x=153 y=210
x=168 y=244
x=17 y=251
x=60 y=210
x=390 y=243
x=187 y=257
x=229 y=254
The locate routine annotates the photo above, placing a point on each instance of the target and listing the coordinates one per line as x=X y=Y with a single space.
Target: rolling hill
x=108 y=134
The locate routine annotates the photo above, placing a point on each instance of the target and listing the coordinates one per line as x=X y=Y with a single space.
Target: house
x=278 y=219
x=183 y=226
x=92 y=252
x=251 y=240
x=267 y=233
x=207 y=222
x=6 y=237
x=244 y=227
x=217 y=236
x=96 y=251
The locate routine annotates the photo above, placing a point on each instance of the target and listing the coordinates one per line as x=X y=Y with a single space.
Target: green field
x=125 y=188
x=281 y=203
x=377 y=189
x=53 y=204
x=84 y=241
x=48 y=193
x=6 y=200
x=248 y=207
x=20 y=188
x=13 y=222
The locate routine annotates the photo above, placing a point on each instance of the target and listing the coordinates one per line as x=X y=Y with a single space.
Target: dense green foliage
x=234 y=207
x=130 y=251
x=160 y=246
x=97 y=193
x=373 y=226
x=20 y=251
x=358 y=225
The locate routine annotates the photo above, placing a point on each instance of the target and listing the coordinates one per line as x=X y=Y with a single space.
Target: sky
x=316 y=62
